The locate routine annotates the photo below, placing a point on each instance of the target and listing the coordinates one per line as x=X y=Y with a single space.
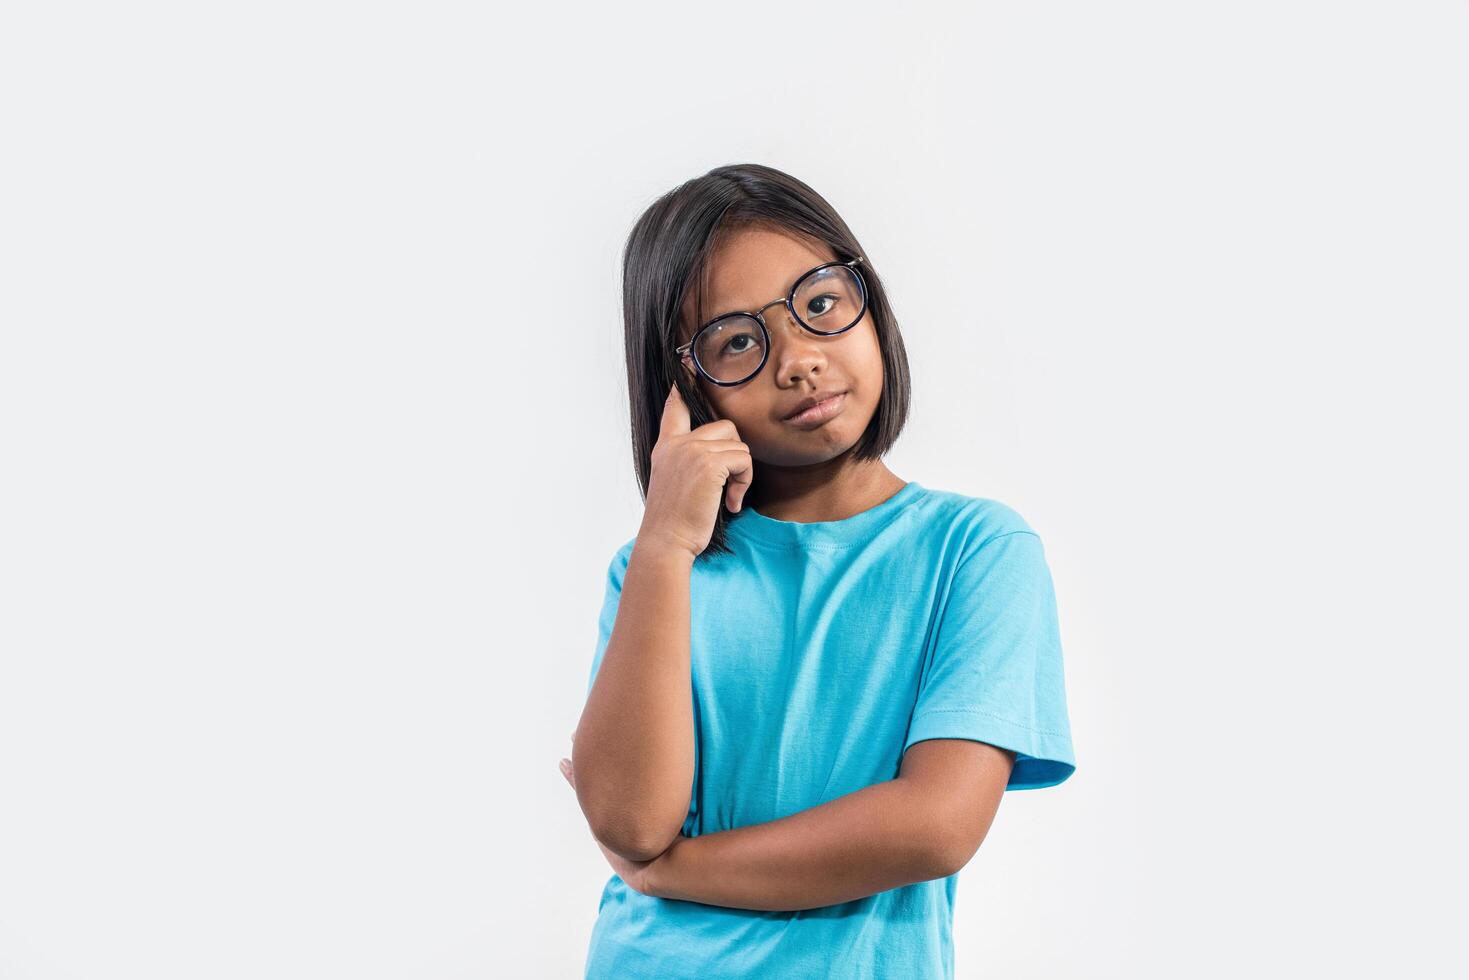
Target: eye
x=823 y=304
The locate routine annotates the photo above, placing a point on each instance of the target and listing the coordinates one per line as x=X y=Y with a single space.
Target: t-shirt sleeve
x=995 y=673
x=612 y=593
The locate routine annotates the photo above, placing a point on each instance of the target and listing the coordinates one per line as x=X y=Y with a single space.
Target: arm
x=633 y=750
x=925 y=824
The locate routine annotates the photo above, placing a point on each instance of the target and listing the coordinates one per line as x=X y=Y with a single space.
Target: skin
x=636 y=750
x=926 y=823
x=809 y=475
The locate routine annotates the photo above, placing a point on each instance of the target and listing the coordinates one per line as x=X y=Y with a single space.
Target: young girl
x=813 y=680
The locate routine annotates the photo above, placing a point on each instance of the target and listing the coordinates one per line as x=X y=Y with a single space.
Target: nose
x=795 y=351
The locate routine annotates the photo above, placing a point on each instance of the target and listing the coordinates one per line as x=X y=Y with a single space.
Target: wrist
x=658 y=548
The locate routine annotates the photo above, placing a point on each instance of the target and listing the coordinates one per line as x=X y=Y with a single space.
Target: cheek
x=719 y=400
x=869 y=369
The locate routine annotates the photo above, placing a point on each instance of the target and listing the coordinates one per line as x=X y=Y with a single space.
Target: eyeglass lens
x=732 y=347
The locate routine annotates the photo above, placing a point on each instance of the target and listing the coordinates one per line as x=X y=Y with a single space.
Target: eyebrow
x=711 y=319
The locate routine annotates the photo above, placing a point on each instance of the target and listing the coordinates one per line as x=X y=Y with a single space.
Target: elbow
x=947 y=842
x=628 y=832
x=633 y=825
x=631 y=843
x=949 y=857
x=950 y=849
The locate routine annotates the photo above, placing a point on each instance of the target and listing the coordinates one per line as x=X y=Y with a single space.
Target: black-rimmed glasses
x=732 y=348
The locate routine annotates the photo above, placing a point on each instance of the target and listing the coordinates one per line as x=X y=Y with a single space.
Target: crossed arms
x=633 y=766
x=925 y=824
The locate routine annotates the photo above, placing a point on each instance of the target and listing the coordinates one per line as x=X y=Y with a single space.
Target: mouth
x=819 y=412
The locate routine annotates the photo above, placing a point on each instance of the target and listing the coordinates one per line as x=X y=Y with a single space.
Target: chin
x=796 y=448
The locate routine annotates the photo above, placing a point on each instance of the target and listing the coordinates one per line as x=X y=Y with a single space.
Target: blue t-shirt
x=819 y=653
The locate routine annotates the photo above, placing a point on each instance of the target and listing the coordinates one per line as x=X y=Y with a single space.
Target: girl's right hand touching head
x=692 y=472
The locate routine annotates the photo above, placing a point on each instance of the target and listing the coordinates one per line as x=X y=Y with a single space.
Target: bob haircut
x=667 y=254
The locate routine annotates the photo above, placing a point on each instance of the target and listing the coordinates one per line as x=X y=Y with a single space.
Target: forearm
x=634 y=748
x=880 y=837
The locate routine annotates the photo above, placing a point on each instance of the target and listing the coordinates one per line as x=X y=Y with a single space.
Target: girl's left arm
x=925 y=824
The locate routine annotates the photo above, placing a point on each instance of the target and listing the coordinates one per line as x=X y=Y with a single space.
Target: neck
x=830 y=491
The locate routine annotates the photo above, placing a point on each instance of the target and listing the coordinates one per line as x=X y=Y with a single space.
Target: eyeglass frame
x=789 y=301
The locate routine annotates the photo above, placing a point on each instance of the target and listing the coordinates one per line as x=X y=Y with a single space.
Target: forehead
x=752 y=267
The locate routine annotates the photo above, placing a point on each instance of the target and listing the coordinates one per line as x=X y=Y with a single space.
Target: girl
x=813 y=680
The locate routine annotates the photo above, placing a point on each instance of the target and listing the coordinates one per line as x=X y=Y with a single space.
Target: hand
x=691 y=472
x=635 y=873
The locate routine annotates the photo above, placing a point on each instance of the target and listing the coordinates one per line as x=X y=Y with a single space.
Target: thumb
x=735 y=489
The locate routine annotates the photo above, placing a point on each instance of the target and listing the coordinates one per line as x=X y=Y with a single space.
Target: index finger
x=675 y=414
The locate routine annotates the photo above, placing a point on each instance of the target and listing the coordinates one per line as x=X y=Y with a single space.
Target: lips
x=818 y=411
x=806 y=403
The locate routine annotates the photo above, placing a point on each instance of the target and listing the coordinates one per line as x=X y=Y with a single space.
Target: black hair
x=667 y=254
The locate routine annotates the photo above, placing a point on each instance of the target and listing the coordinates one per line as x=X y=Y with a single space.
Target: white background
x=314 y=438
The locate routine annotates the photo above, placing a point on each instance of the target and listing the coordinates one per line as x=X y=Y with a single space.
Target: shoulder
x=992 y=554
x=972 y=520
